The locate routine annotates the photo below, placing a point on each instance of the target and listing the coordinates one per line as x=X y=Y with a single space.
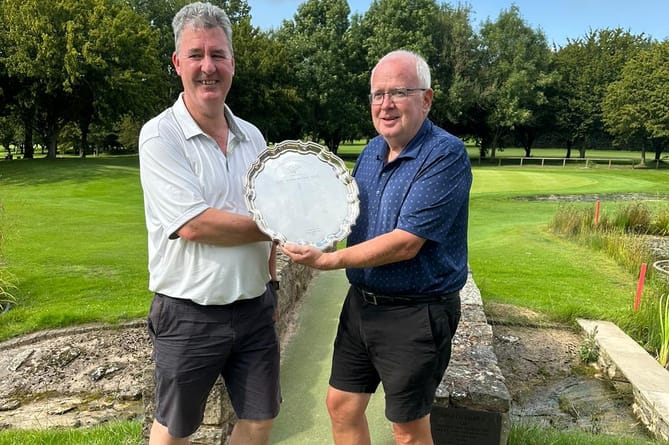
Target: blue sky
x=559 y=19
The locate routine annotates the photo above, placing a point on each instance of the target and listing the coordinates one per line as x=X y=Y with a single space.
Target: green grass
x=532 y=435
x=76 y=242
x=516 y=260
x=115 y=433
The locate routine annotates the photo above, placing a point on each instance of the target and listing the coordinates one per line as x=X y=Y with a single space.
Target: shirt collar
x=190 y=128
x=413 y=147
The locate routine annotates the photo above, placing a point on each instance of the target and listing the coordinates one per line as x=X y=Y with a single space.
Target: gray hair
x=200 y=15
x=422 y=68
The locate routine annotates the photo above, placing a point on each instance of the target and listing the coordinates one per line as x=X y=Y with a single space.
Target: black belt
x=403 y=300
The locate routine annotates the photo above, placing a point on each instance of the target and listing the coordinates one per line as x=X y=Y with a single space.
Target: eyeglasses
x=396 y=95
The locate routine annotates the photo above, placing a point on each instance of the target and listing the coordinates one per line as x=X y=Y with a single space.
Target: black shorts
x=407 y=348
x=194 y=344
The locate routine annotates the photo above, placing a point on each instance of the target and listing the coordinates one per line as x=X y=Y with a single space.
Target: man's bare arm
x=391 y=247
x=222 y=228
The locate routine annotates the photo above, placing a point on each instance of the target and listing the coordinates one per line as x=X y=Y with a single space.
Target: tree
x=8 y=133
x=456 y=72
x=112 y=64
x=570 y=106
x=11 y=94
x=400 y=24
x=128 y=130
x=88 y=60
x=586 y=67
x=637 y=105
x=389 y=25
x=27 y=58
x=159 y=14
x=318 y=45
x=260 y=65
x=263 y=90
x=516 y=74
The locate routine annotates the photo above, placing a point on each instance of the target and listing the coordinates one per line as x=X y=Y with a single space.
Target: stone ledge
x=620 y=357
x=472 y=402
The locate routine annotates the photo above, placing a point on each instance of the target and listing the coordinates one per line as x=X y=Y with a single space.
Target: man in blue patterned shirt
x=406 y=260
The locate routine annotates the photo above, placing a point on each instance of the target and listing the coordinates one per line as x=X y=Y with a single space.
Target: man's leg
x=417 y=432
x=160 y=436
x=252 y=374
x=251 y=432
x=347 y=415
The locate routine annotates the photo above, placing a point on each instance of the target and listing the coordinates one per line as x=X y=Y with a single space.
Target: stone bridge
x=472 y=403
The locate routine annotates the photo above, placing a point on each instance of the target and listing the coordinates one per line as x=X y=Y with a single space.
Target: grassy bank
x=76 y=243
x=517 y=260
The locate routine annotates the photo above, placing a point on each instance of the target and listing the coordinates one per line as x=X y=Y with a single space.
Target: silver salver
x=299 y=192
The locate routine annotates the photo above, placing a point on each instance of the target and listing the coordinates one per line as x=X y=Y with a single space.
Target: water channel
x=584 y=403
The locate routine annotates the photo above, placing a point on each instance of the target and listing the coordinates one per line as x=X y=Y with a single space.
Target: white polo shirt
x=183 y=172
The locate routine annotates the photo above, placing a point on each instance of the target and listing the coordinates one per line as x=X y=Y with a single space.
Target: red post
x=597 y=205
x=639 y=287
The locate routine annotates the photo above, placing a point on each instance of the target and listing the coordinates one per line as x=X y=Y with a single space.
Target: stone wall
x=472 y=403
x=219 y=416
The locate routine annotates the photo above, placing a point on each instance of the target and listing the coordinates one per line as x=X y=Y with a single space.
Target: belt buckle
x=369 y=297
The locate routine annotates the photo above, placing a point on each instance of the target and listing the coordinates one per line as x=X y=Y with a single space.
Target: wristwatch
x=274 y=284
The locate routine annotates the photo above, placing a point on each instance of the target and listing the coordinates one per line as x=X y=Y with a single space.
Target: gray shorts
x=194 y=344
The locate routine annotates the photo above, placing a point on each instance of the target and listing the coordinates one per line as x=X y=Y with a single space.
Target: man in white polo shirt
x=211 y=269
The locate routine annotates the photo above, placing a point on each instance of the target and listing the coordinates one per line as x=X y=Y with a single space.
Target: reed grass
x=663 y=355
x=622 y=236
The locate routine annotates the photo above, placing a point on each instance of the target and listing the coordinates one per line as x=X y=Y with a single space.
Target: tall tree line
x=85 y=74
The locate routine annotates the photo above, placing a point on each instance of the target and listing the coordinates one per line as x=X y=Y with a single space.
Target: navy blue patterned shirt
x=424 y=191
